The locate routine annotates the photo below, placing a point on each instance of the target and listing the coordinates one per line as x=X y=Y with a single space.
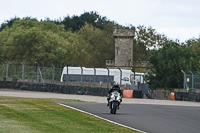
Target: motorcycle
x=114 y=102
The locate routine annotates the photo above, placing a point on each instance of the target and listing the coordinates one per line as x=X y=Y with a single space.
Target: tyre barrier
x=7 y=84
x=127 y=93
x=172 y=96
x=185 y=96
x=137 y=94
x=29 y=86
x=132 y=94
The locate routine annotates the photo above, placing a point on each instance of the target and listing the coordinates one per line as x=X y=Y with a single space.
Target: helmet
x=116 y=85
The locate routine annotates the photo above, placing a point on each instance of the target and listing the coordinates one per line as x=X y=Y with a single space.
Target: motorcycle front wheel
x=111 y=111
x=114 y=108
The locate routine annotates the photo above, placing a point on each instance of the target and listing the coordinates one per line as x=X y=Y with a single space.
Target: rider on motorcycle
x=117 y=88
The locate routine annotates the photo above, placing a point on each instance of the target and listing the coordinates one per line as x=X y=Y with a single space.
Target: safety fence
x=52 y=79
x=191 y=88
x=29 y=74
x=48 y=79
x=191 y=81
x=51 y=75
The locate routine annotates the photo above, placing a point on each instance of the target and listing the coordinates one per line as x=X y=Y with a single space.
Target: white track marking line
x=102 y=118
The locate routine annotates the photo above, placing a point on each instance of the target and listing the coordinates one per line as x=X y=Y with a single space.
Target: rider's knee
x=108 y=98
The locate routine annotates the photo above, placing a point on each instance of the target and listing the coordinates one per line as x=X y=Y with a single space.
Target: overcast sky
x=177 y=19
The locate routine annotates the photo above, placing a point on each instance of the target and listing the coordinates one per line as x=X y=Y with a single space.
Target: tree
x=146 y=39
x=100 y=45
x=1 y=50
x=77 y=54
x=167 y=63
x=75 y=23
x=8 y=23
x=29 y=41
x=196 y=46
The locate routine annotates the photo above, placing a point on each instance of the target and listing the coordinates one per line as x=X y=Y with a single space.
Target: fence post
x=198 y=72
x=22 y=72
x=6 y=70
x=94 y=75
x=108 y=77
x=120 y=76
x=81 y=75
x=192 y=80
x=37 y=71
x=184 y=80
x=67 y=75
x=133 y=70
x=53 y=73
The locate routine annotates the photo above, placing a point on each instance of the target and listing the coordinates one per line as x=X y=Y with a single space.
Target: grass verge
x=31 y=115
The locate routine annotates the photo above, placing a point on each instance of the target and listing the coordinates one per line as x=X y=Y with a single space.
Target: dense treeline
x=87 y=40
x=84 y=40
x=167 y=63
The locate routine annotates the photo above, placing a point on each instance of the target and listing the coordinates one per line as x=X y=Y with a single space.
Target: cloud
x=173 y=17
x=181 y=34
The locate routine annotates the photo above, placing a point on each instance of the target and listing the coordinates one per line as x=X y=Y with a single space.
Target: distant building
x=123 y=48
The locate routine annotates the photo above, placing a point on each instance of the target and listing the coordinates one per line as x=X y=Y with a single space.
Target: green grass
x=29 y=115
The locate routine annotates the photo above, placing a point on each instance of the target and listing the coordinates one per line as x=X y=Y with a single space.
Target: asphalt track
x=148 y=118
